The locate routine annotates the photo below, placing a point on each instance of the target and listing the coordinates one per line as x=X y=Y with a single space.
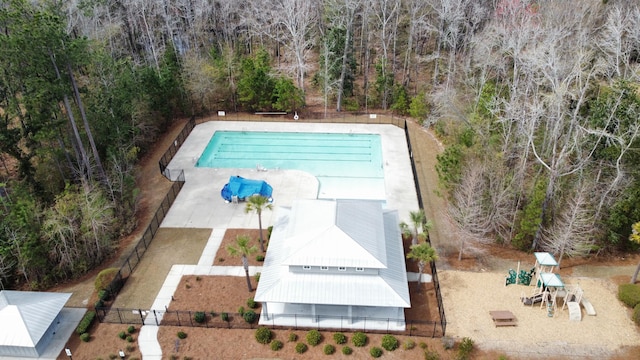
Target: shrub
x=131 y=329
x=86 y=322
x=251 y=303
x=263 y=335
x=130 y=348
x=390 y=343
x=98 y=304
x=329 y=349
x=448 y=342
x=409 y=344
x=113 y=356
x=241 y=310
x=257 y=276
x=314 y=337
x=465 y=349
x=431 y=355
x=422 y=345
x=269 y=230
x=130 y=339
x=359 y=339
x=250 y=316
x=260 y=258
x=339 y=338
x=276 y=345
x=122 y=335
x=636 y=315
x=85 y=337
x=301 y=348
x=347 y=350
x=224 y=316
x=375 y=352
x=182 y=335
x=104 y=278
x=293 y=337
x=199 y=317
x=629 y=294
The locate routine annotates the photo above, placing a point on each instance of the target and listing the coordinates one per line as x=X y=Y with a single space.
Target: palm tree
x=423 y=253
x=257 y=203
x=242 y=249
x=419 y=221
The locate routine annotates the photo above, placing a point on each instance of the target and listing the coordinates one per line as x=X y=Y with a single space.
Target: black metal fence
x=141 y=247
x=434 y=271
x=175 y=146
x=293 y=321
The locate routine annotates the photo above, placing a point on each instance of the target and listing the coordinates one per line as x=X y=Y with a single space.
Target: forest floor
x=495 y=259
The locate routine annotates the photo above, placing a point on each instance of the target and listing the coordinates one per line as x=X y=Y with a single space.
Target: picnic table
x=503 y=318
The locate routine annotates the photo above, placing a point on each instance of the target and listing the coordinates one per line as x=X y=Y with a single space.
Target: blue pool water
x=331 y=157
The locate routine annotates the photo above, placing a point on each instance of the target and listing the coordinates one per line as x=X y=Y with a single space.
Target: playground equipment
x=549 y=288
x=519 y=277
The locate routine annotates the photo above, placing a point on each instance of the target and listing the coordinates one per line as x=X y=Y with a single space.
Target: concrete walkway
x=148 y=339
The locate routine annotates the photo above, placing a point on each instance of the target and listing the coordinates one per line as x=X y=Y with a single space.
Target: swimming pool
x=336 y=159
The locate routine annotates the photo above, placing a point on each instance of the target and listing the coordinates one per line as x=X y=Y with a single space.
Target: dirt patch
x=224 y=259
x=241 y=344
x=104 y=344
x=472 y=295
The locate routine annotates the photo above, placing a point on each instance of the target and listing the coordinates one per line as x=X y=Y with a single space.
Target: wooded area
x=537 y=102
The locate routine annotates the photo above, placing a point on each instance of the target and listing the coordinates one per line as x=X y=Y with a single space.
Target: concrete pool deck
x=199 y=204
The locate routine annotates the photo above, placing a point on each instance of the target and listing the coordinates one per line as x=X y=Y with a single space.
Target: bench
x=503 y=318
x=506 y=323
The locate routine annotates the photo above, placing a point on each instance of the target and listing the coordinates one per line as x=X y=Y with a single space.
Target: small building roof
x=545 y=259
x=30 y=314
x=350 y=233
x=551 y=280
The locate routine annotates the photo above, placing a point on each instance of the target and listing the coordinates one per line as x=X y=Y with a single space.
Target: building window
x=342 y=268
x=306 y=267
x=324 y=268
x=359 y=269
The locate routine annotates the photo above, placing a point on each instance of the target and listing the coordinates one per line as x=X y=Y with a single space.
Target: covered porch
x=333 y=316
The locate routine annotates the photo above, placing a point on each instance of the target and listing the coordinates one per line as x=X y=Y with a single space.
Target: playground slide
x=575 y=314
x=588 y=307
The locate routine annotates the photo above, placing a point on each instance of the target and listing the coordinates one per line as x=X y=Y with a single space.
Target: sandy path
x=469 y=296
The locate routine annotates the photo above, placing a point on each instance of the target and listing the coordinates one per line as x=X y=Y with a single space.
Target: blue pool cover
x=243 y=188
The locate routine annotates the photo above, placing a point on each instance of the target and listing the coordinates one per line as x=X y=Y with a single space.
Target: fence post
x=141 y=316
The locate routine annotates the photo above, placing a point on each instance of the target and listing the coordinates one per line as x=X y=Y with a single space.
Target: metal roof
x=351 y=233
x=30 y=314
x=545 y=259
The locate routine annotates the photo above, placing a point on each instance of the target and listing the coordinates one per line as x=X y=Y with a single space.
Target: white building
x=335 y=264
x=28 y=321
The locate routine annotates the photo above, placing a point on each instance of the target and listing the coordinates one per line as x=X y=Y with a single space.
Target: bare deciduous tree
x=466 y=209
x=573 y=232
